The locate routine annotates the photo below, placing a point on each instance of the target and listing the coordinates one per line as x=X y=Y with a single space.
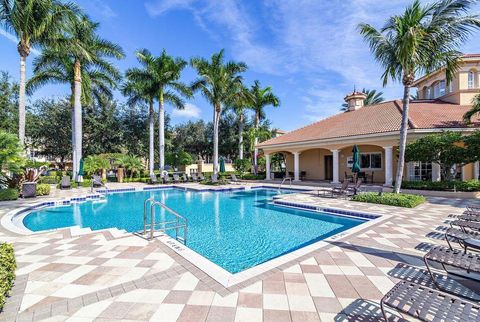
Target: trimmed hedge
x=8 y=194
x=471 y=185
x=391 y=199
x=43 y=189
x=7 y=271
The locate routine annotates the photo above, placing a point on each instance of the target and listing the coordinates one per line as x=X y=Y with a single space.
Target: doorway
x=328 y=161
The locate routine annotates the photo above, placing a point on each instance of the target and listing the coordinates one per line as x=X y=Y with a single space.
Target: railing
x=283 y=181
x=179 y=222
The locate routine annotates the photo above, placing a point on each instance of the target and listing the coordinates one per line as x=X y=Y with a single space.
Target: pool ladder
x=178 y=223
x=283 y=181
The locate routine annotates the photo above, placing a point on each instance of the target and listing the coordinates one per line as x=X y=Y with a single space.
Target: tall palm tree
x=53 y=67
x=34 y=23
x=163 y=72
x=239 y=107
x=260 y=98
x=85 y=48
x=373 y=97
x=422 y=39
x=145 y=92
x=475 y=110
x=220 y=84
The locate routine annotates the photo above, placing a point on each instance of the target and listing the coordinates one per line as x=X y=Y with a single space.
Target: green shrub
x=391 y=199
x=8 y=194
x=49 y=179
x=252 y=176
x=43 y=189
x=471 y=185
x=7 y=271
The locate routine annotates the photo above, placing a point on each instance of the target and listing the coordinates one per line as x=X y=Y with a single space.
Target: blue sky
x=309 y=51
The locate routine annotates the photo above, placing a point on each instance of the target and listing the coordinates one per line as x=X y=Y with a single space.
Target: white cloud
x=190 y=111
x=158 y=7
x=14 y=39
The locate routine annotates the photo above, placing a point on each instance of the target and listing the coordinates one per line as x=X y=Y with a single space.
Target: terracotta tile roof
x=380 y=118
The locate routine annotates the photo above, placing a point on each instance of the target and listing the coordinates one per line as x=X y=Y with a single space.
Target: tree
x=446 y=149
x=8 y=104
x=475 y=110
x=220 y=84
x=33 y=22
x=11 y=159
x=424 y=38
x=259 y=99
x=192 y=137
x=178 y=158
x=84 y=47
x=253 y=134
x=163 y=74
x=373 y=97
x=131 y=163
x=96 y=164
x=239 y=107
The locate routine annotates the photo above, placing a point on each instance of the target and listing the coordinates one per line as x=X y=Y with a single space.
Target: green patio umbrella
x=222 y=164
x=356 y=161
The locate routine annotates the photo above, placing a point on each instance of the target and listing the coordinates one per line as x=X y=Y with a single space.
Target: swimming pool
x=236 y=230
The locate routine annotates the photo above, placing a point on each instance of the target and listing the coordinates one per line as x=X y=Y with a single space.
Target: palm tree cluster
x=72 y=53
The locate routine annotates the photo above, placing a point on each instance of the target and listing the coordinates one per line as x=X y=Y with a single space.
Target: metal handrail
x=283 y=181
x=164 y=223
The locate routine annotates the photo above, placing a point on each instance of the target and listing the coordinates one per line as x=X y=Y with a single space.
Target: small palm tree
x=85 y=48
x=163 y=73
x=373 y=97
x=220 y=83
x=131 y=163
x=34 y=23
x=96 y=164
x=142 y=91
x=474 y=111
x=261 y=98
x=424 y=38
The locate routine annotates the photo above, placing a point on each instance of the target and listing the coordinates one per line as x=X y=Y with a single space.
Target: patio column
x=335 y=166
x=388 y=166
x=267 y=166
x=476 y=170
x=436 y=172
x=296 y=166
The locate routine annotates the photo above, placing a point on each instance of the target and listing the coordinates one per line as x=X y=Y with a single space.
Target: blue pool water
x=235 y=230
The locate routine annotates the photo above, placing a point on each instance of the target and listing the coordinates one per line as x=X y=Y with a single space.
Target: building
x=323 y=150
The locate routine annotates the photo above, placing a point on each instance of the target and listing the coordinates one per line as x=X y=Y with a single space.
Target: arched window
x=471 y=79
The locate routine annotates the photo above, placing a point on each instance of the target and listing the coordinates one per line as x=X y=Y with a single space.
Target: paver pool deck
x=81 y=275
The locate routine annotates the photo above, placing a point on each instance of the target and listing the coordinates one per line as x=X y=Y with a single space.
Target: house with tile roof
x=323 y=150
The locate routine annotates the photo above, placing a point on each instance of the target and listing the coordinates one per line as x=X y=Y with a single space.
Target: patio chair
x=194 y=177
x=176 y=178
x=466 y=239
x=96 y=181
x=473 y=208
x=184 y=177
x=342 y=191
x=459 y=263
x=357 y=187
x=427 y=304
x=469 y=217
x=464 y=224
x=166 y=178
x=65 y=183
x=153 y=179
x=201 y=177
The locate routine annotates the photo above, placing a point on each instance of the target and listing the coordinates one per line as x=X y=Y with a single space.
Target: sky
x=308 y=51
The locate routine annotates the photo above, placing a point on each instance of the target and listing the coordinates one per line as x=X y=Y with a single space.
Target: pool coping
x=217 y=273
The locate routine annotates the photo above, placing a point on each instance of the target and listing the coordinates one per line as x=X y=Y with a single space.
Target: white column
x=335 y=166
x=388 y=166
x=267 y=166
x=436 y=172
x=296 y=166
x=476 y=170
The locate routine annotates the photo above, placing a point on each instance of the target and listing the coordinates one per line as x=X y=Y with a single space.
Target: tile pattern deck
x=79 y=275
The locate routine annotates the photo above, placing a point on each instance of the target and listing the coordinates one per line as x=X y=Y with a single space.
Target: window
x=420 y=171
x=471 y=79
x=371 y=160
x=436 y=90
x=441 y=88
x=429 y=93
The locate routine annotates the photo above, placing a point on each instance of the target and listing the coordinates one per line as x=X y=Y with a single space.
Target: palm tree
x=373 y=97
x=85 y=48
x=53 y=67
x=34 y=23
x=163 y=73
x=131 y=163
x=424 y=38
x=475 y=110
x=141 y=91
x=239 y=107
x=220 y=84
x=260 y=98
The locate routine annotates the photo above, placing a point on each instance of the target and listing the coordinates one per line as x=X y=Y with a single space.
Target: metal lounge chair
x=176 y=178
x=469 y=217
x=65 y=183
x=153 y=179
x=97 y=181
x=166 y=178
x=427 y=304
x=464 y=264
x=194 y=177
x=464 y=224
x=341 y=191
x=473 y=208
x=201 y=177
x=184 y=177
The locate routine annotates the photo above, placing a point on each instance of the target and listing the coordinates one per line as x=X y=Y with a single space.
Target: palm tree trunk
x=77 y=111
x=161 y=130
x=255 y=150
x=151 y=150
x=403 y=138
x=72 y=101
x=21 y=95
x=240 y=137
x=216 y=121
